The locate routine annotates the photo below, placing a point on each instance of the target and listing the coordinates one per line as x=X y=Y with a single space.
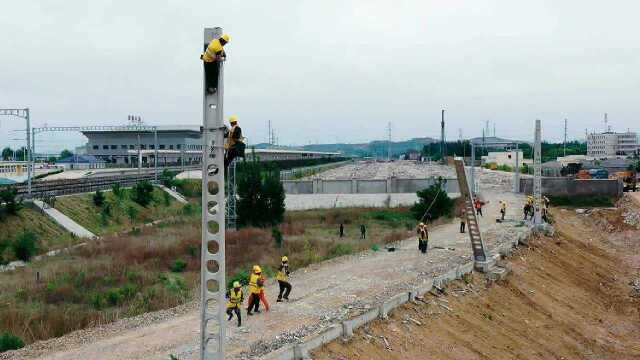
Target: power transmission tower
x=212 y=261
x=443 y=144
x=24 y=113
x=231 y=207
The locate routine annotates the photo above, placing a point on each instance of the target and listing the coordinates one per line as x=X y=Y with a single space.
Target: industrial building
x=175 y=145
x=612 y=144
x=506 y=158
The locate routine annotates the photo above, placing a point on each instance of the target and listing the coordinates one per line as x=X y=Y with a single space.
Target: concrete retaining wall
x=570 y=187
x=382 y=186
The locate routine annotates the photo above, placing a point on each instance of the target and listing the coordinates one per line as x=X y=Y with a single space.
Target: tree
x=273 y=193
x=98 y=198
x=25 y=245
x=65 y=154
x=167 y=177
x=7 y=153
x=251 y=207
x=143 y=193
x=435 y=200
x=9 y=341
x=8 y=197
x=132 y=214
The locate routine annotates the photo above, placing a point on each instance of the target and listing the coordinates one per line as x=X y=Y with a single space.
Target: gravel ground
x=322 y=294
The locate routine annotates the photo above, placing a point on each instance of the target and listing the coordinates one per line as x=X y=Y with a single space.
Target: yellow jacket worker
x=212 y=56
x=254 y=290
x=235 y=298
x=283 y=279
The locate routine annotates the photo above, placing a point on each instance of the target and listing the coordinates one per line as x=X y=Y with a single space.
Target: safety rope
x=433 y=202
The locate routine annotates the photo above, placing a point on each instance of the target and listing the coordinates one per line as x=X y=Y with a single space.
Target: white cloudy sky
x=326 y=71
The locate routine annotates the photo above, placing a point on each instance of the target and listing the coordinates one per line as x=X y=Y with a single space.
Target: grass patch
x=583 y=201
x=119 y=212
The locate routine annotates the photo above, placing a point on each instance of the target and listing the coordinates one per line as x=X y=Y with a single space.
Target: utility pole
x=28 y=157
x=270 y=141
x=139 y=156
x=537 y=174
x=155 y=155
x=564 y=145
x=212 y=271
x=443 y=148
x=389 y=142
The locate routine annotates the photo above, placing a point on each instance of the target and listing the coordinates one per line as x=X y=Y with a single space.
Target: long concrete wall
x=571 y=187
x=384 y=186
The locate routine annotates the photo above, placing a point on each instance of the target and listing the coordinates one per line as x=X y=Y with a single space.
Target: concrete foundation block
x=392 y=303
x=350 y=325
x=484 y=266
x=301 y=351
x=424 y=288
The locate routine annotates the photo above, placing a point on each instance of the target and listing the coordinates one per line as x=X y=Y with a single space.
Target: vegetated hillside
x=50 y=235
x=373 y=148
x=572 y=296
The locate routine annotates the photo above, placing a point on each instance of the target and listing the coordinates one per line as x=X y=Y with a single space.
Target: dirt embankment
x=568 y=297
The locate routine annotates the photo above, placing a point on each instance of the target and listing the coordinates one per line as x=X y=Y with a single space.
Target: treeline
x=550 y=151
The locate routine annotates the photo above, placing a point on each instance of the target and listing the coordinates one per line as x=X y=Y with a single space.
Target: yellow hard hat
x=256 y=269
x=233 y=119
x=285 y=259
x=421 y=224
x=236 y=284
x=226 y=37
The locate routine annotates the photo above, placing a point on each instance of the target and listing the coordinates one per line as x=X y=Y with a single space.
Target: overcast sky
x=326 y=71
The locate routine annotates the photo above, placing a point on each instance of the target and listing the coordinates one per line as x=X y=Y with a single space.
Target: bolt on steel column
x=212 y=327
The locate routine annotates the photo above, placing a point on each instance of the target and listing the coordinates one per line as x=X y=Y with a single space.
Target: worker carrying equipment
x=255 y=279
x=212 y=56
x=235 y=298
x=423 y=237
x=283 y=280
x=235 y=146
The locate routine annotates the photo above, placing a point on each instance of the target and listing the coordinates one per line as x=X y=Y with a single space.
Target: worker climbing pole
x=212 y=278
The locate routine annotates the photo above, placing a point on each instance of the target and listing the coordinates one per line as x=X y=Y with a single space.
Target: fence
x=571 y=187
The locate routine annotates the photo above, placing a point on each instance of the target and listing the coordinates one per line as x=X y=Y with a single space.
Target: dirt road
x=322 y=294
x=570 y=297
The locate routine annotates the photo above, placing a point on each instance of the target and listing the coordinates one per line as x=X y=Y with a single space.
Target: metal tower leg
x=212 y=315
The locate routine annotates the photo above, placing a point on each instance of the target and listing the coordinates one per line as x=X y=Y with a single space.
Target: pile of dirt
x=568 y=297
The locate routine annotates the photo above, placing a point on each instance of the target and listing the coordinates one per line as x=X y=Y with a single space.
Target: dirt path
x=322 y=294
x=569 y=297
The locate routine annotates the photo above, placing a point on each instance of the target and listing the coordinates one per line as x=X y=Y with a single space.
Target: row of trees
x=20 y=154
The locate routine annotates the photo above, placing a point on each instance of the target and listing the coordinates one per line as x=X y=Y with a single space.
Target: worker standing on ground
x=478 y=205
x=254 y=290
x=283 y=280
x=503 y=209
x=463 y=222
x=423 y=237
x=341 y=230
x=363 y=232
x=212 y=57
x=235 y=297
x=234 y=146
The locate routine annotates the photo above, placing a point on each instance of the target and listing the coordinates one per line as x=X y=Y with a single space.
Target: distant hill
x=493 y=139
x=372 y=148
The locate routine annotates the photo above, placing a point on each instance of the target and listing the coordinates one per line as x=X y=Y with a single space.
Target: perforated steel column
x=537 y=174
x=212 y=327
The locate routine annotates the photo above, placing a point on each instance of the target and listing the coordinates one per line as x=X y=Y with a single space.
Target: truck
x=599 y=174
x=629 y=179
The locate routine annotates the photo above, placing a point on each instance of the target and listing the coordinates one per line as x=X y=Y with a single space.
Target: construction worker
x=213 y=55
x=529 y=208
x=478 y=205
x=283 y=279
x=503 y=209
x=235 y=297
x=463 y=222
x=341 y=230
x=423 y=237
x=363 y=232
x=255 y=281
x=234 y=146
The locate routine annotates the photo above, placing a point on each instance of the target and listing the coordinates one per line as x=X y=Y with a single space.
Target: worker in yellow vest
x=255 y=286
x=212 y=56
x=235 y=298
x=283 y=280
x=503 y=209
x=234 y=146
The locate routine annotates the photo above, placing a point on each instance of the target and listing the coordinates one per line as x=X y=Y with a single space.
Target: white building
x=610 y=144
x=506 y=158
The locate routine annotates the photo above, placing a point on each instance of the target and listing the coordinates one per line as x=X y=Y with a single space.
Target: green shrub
x=11 y=204
x=98 y=301
x=114 y=297
x=178 y=266
x=340 y=250
x=128 y=291
x=188 y=209
x=174 y=284
x=132 y=214
x=375 y=247
x=25 y=245
x=166 y=198
x=241 y=276
x=276 y=234
x=117 y=190
x=98 y=198
x=143 y=193
x=10 y=342
x=435 y=200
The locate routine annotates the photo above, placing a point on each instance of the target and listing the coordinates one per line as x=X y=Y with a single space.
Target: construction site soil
x=575 y=295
